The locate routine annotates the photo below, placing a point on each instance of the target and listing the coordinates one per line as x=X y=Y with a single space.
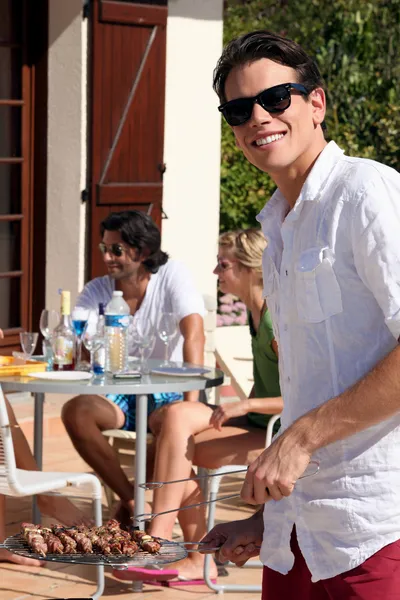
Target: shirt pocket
x=318 y=294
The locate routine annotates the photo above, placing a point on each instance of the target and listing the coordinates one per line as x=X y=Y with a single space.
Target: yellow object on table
x=9 y=365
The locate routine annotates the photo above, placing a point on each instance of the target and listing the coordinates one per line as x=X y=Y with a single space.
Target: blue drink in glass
x=79 y=326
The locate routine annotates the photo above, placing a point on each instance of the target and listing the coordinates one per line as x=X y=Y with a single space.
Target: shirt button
x=288 y=379
x=285 y=328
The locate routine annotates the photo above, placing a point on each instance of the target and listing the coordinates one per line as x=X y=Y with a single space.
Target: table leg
x=140 y=466
x=38 y=446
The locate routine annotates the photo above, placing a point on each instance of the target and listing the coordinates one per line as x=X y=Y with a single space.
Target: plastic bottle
x=64 y=337
x=99 y=353
x=116 y=334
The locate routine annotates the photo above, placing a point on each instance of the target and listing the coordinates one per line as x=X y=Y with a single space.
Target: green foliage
x=356 y=44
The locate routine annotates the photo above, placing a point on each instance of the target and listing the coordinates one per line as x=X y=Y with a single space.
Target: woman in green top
x=192 y=433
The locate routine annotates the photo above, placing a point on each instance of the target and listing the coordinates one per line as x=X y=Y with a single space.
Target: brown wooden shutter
x=127 y=112
x=23 y=143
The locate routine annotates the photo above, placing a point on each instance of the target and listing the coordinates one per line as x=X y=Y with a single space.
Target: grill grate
x=170 y=552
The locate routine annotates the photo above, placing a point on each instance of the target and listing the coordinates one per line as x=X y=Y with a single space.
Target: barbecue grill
x=169 y=552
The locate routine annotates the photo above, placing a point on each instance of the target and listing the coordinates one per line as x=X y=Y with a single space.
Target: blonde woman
x=192 y=433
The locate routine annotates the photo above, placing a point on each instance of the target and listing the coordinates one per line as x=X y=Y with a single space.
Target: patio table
x=147 y=384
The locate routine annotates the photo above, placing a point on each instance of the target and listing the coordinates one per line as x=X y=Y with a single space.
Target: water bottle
x=116 y=334
x=99 y=352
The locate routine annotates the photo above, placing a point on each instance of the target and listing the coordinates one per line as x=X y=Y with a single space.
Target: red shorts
x=378 y=578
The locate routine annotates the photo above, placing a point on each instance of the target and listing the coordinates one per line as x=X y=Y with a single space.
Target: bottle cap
x=65 y=302
x=117 y=293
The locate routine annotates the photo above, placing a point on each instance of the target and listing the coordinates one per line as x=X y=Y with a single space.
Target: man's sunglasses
x=274 y=100
x=114 y=249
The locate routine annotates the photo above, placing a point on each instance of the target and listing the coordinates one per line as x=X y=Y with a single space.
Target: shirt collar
x=319 y=174
x=277 y=207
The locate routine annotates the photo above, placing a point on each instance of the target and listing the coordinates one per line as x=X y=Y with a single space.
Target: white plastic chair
x=18 y=482
x=214 y=483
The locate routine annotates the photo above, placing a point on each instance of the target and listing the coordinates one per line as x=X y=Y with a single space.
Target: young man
x=332 y=283
x=151 y=284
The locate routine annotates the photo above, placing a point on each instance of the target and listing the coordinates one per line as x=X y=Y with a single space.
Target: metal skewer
x=154 y=485
x=208 y=550
x=151 y=516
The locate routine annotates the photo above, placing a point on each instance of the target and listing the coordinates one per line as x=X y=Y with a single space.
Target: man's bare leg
x=85 y=417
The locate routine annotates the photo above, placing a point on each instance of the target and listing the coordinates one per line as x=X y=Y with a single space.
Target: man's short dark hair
x=264 y=44
x=138 y=230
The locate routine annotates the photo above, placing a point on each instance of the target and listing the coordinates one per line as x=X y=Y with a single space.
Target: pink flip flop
x=181 y=581
x=145 y=575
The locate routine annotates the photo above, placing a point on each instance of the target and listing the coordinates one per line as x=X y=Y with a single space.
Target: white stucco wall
x=191 y=149
x=192 y=137
x=66 y=149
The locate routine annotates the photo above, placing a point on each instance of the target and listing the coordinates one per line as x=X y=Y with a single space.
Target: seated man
x=151 y=284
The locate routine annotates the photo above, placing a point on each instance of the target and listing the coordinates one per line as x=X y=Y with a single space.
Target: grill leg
x=38 y=447
x=98 y=519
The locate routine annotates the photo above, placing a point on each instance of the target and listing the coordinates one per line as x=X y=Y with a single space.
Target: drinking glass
x=28 y=343
x=146 y=352
x=80 y=317
x=144 y=337
x=49 y=320
x=167 y=329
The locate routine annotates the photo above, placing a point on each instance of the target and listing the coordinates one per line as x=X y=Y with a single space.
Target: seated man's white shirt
x=171 y=289
x=332 y=283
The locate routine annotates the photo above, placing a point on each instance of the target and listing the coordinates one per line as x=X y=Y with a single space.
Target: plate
x=180 y=371
x=62 y=375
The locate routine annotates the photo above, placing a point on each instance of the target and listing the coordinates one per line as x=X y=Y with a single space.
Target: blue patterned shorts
x=127 y=403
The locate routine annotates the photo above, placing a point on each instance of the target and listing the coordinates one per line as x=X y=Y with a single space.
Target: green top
x=265 y=366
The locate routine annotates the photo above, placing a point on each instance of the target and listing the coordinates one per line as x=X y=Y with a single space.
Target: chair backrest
x=8 y=469
x=210 y=323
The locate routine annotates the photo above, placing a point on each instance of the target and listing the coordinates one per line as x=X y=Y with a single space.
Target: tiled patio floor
x=58 y=581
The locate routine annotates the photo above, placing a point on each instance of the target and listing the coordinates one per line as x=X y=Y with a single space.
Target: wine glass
x=49 y=320
x=144 y=337
x=90 y=337
x=80 y=317
x=28 y=343
x=167 y=328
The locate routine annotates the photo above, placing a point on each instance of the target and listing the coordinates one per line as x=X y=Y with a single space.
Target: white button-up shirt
x=332 y=283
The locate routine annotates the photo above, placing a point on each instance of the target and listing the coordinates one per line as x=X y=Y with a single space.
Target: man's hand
x=227 y=411
x=238 y=541
x=274 y=473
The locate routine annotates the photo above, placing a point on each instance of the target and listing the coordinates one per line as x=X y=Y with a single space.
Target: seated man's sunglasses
x=274 y=100
x=114 y=249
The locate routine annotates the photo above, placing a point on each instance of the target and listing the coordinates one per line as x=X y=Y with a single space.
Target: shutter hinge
x=85 y=195
x=162 y=167
x=86 y=9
